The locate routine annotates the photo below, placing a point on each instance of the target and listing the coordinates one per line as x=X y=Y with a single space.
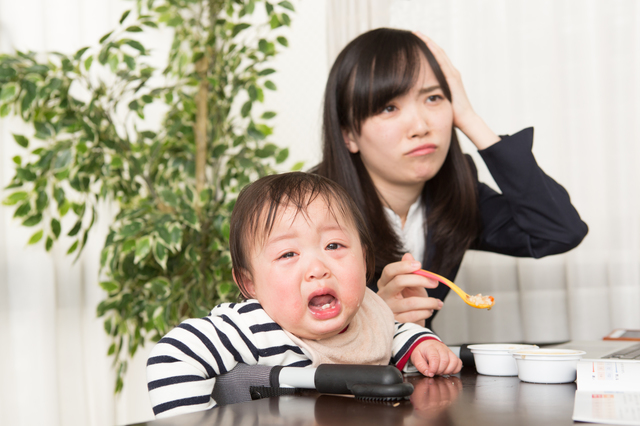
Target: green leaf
x=128 y=245
x=88 y=62
x=274 y=22
x=282 y=155
x=160 y=286
x=5 y=110
x=131 y=63
x=15 y=198
x=246 y=109
x=226 y=231
x=8 y=92
x=298 y=166
x=134 y=29
x=176 y=236
x=124 y=16
x=112 y=349
x=268 y=115
x=36 y=237
x=270 y=85
x=42 y=200
x=48 y=244
x=32 y=220
x=266 y=71
x=239 y=27
x=130 y=229
x=287 y=5
x=269 y=7
x=104 y=37
x=64 y=208
x=110 y=286
x=23 y=210
x=55 y=227
x=136 y=45
x=21 y=140
x=143 y=247
x=285 y=19
x=164 y=233
x=76 y=228
x=160 y=253
x=73 y=247
x=253 y=92
x=79 y=53
x=283 y=41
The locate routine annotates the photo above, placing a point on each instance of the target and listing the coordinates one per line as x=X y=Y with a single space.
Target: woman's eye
x=389 y=108
x=334 y=246
x=434 y=98
x=288 y=255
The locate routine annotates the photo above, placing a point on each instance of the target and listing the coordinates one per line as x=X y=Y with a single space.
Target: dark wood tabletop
x=464 y=399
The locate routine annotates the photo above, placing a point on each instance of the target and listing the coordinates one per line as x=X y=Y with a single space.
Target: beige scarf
x=367 y=340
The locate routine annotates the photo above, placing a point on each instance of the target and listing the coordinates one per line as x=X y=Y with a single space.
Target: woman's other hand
x=405 y=292
x=464 y=117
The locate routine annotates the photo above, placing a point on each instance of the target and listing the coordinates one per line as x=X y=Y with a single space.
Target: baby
x=301 y=255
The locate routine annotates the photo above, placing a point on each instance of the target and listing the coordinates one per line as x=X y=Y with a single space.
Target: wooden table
x=465 y=399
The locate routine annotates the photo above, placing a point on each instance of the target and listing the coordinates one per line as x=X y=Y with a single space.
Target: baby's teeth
x=326 y=306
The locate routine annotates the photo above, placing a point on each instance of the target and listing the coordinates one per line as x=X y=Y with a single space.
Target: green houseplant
x=166 y=255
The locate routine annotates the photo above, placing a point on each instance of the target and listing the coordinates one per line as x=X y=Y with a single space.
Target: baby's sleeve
x=406 y=337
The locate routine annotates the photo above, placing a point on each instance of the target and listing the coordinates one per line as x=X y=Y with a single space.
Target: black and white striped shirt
x=183 y=366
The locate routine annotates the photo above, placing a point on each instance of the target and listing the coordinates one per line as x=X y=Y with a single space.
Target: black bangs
x=386 y=65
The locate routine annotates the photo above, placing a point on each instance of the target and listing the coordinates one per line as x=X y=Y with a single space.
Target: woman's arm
x=533 y=217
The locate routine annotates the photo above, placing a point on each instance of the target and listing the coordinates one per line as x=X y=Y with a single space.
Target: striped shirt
x=183 y=366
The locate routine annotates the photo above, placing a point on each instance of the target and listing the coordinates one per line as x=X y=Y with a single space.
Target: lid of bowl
x=499 y=347
x=539 y=353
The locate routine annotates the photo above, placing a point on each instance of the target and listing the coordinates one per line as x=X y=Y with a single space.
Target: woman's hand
x=464 y=117
x=405 y=292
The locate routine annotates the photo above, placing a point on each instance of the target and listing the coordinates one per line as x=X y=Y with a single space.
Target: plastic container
x=547 y=365
x=495 y=359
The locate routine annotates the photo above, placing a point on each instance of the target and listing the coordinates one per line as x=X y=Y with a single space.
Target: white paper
x=608 y=375
x=608 y=392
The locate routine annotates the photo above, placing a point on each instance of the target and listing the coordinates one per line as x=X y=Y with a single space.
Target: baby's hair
x=257 y=207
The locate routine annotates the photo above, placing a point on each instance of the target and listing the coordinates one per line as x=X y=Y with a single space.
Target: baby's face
x=310 y=275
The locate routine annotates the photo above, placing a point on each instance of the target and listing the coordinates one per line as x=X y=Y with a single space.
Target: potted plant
x=166 y=255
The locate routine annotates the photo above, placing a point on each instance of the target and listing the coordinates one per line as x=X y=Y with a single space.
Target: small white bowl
x=495 y=359
x=547 y=365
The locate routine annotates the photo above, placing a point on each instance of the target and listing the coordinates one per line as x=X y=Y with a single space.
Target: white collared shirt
x=413 y=232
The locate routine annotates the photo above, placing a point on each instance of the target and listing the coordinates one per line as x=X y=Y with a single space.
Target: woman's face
x=406 y=143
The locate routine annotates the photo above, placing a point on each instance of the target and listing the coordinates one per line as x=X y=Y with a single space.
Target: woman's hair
x=259 y=205
x=372 y=70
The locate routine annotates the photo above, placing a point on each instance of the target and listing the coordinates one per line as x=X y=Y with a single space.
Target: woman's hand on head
x=405 y=292
x=464 y=117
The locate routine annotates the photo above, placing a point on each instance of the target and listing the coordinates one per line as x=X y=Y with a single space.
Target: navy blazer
x=532 y=217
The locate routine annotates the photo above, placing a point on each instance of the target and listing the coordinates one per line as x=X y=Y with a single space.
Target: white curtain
x=571 y=69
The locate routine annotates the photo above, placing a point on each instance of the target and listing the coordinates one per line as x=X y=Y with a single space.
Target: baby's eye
x=287 y=255
x=334 y=246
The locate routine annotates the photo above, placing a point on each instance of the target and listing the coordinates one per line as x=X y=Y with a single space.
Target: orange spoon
x=478 y=301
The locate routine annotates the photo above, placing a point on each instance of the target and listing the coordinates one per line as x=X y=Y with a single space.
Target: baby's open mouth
x=322 y=302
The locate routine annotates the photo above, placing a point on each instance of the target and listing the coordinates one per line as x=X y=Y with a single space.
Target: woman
x=392 y=103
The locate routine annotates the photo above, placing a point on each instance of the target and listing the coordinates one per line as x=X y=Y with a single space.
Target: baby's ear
x=244 y=282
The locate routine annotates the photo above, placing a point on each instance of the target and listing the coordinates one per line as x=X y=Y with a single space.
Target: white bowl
x=495 y=359
x=547 y=365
